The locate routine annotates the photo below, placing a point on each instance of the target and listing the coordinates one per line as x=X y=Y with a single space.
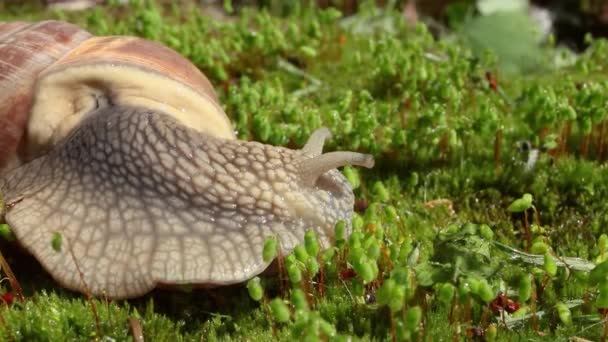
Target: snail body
x=120 y=146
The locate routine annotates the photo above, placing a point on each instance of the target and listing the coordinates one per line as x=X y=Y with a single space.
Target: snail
x=118 y=148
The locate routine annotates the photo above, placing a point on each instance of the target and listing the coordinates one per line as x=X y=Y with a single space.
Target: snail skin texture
x=119 y=145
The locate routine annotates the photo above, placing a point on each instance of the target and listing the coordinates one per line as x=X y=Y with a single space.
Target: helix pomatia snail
x=120 y=146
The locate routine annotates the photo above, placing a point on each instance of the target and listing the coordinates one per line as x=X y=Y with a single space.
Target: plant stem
x=533 y=307
x=393 y=335
x=497 y=148
x=280 y=262
x=605 y=319
x=11 y=278
x=585 y=145
x=527 y=231
x=86 y=288
x=136 y=330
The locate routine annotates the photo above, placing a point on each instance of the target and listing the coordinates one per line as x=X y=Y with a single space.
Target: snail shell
x=52 y=73
x=119 y=146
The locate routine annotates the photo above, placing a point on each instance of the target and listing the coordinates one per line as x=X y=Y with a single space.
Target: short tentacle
x=315 y=142
x=311 y=169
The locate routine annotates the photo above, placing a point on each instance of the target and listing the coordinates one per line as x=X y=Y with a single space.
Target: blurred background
x=516 y=30
x=568 y=20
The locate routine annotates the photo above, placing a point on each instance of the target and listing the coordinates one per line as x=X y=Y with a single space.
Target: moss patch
x=456 y=143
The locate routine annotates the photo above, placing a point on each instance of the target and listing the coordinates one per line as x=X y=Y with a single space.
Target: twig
x=11 y=277
x=136 y=330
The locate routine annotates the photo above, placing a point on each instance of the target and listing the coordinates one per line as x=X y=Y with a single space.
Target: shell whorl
x=53 y=73
x=25 y=50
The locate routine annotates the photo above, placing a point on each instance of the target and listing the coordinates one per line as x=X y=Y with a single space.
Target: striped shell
x=52 y=73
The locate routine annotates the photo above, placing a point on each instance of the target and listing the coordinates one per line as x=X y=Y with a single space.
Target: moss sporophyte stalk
x=454 y=236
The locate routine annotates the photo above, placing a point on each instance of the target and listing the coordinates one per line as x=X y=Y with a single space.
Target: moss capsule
x=539 y=247
x=602 y=299
x=298 y=299
x=380 y=191
x=270 y=249
x=446 y=293
x=311 y=243
x=413 y=318
x=365 y=271
x=564 y=313
x=254 y=287
x=396 y=299
x=550 y=265
x=56 y=242
x=486 y=232
x=352 y=176
x=599 y=274
x=383 y=294
x=301 y=254
x=294 y=273
x=279 y=310
x=326 y=328
x=521 y=204
x=485 y=291
x=6 y=233
x=312 y=266
x=524 y=289
x=491 y=332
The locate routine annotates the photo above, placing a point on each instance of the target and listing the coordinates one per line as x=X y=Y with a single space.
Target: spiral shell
x=52 y=73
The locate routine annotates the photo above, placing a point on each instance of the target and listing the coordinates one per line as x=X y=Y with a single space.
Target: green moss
x=432 y=214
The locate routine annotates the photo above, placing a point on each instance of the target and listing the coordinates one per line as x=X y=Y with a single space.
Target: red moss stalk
x=87 y=290
x=11 y=278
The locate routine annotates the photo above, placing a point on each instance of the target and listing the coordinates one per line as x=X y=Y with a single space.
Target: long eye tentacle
x=315 y=142
x=312 y=168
